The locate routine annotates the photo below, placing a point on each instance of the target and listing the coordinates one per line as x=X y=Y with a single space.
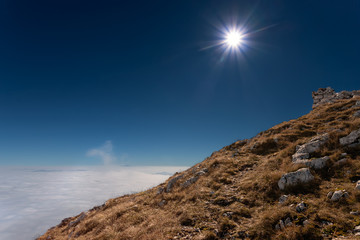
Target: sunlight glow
x=234 y=38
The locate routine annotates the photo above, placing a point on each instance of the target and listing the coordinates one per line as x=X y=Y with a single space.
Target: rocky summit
x=298 y=180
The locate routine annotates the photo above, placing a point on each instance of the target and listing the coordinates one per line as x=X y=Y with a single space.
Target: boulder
x=280 y=225
x=303 y=151
x=162 y=203
x=300 y=176
x=301 y=207
x=172 y=182
x=341 y=162
x=357 y=229
x=77 y=220
x=288 y=222
x=190 y=181
x=316 y=163
x=355 y=213
x=357 y=113
x=283 y=198
x=357 y=187
x=328 y=95
x=351 y=138
x=337 y=195
x=329 y=195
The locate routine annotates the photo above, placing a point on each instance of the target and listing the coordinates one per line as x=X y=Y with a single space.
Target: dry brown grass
x=238 y=197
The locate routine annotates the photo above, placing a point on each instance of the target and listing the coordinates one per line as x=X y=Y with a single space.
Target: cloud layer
x=34 y=199
x=105 y=152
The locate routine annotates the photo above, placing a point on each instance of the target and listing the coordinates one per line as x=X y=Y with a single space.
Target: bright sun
x=233 y=38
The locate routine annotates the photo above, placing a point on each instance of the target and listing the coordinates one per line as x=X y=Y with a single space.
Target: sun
x=234 y=38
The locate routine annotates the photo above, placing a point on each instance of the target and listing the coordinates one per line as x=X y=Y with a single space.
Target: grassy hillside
x=234 y=193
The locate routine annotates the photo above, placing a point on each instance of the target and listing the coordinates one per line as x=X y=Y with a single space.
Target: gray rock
x=355 y=213
x=79 y=219
x=351 y=138
x=328 y=95
x=160 y=190
x=303 y=151
x=288 y=222
x=357 y=103
x=357 y=229
x=172 y=182
x=202 y=172
x=306 y=222
x=162 y=203
x=283 y=198
x=316 y=163
x=343 y=154
x=281 y=224
x=356 y=144
x=357 y=187
x=341 y=162
x=301 y=207
x=329 y=195
x=300 y=176
x=357 y=114
x=190 y=181
x=338 y=195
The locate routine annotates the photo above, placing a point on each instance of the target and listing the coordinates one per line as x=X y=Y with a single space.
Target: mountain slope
x=294 y=181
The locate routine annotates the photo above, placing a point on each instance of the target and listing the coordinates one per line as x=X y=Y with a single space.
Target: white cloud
x=35 y=199
x=104 y=152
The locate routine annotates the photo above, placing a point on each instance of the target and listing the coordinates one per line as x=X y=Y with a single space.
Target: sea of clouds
x=33 y=199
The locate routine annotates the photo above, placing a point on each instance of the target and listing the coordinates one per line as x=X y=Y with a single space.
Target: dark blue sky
x=75 y=74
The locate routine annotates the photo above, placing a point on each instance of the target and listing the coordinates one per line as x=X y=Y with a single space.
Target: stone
x=303 y=151
x=306 y=222
x=338 y=195
x=357 y=187
x=322 y=96
x=283 y=198
x=351 y=138
x=328 y=95
x=281 y=224
x=357 y=229
x=301 y=207
x=190 y=181
x=172 y=182
x=341 y=162
x=288 y=222
x=202 y=172
x=357 y=103
x=79 y=219
x=357 y=114
x=160 y=190
x=300 y=176
x=316 y=163
x=343 y=154
x=329 y=195
x=162 y=203
x=355 y=213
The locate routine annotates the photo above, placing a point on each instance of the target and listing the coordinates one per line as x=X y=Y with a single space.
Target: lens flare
x=234 y=38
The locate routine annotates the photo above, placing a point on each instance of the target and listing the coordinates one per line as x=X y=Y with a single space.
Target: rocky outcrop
x=357 y=187
x=300 y=176
x=328 y=95
x=315 y=163
x=172 y=182
x=352 y=139
x=301 y=207
x=337 y=195
x=303 y=151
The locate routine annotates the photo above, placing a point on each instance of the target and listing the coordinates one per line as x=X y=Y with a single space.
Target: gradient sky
x=75 y=75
